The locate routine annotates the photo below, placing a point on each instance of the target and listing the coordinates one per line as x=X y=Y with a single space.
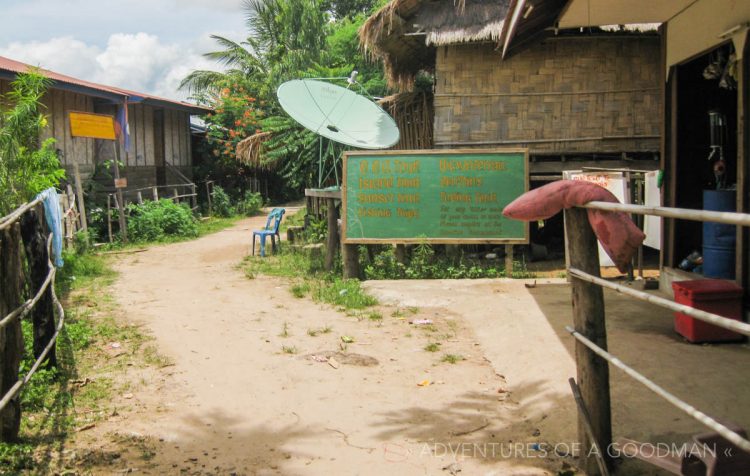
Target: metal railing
x=590 y=330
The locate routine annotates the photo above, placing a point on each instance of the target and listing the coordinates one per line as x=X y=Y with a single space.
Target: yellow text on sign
x=94 y=126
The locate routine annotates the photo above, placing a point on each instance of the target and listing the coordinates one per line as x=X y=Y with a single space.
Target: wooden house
x=575 y=99
x=704 y=71
x=160 y=149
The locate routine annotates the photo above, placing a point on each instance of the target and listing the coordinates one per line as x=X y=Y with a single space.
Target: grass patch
x=375 y=316
x=285 y=330
x=318 y=331
x=78 y=391
x=319 y=285
x=346 y=293
x=452 y=358
x=300 y=290
x=288 y=349
x=432 y=347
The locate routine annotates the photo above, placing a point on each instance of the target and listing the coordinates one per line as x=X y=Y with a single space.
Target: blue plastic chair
x=271 y=229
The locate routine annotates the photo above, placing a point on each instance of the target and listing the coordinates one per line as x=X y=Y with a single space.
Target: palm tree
x=284 y=38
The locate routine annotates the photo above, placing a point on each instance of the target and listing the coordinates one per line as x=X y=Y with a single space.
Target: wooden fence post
x=508 y=261
x=109 y=217
x=11 y=337
x=401 y=254
x=140 y=198
x=350 y=257
x=119 y=200
x=42 y=315
x=332 y=239
x=208 y=196
x=155 y=194
x=588 y=319
x=79 y=195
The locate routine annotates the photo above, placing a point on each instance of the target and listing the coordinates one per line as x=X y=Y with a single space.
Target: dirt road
x=251 y=392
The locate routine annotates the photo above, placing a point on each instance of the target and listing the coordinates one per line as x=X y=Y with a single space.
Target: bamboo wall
x=565 y=95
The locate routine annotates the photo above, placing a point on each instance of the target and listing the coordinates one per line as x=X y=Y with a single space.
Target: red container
x=711 y=295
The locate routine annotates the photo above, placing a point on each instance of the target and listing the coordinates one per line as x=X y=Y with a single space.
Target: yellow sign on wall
x=94 y=126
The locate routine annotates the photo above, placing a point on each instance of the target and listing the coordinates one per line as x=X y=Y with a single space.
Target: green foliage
x=82 y=242
x=300 y=290
x=316 y=231
x=452 y=358
x=81 y=270
x=221 y=205
x=26 y=166
x=432 y=347
x=342 y=9
x=346 y=293
x=426 y=264
x=287 y=39
x=321 y=286
x=155 y=220
x=250 y=204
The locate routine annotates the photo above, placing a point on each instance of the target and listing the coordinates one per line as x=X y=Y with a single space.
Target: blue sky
x=146 y=45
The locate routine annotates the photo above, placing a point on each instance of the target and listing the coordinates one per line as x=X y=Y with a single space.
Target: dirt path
x=235 y=402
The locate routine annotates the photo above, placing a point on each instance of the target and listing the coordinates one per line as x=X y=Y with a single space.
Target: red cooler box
x=711 y=295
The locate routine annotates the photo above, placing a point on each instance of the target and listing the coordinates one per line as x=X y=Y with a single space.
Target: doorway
x=161 y=170
x=706 y=90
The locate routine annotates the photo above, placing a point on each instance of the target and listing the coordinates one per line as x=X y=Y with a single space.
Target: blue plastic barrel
x=719 y=240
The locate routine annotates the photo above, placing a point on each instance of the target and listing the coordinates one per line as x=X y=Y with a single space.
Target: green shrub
x=426 y=264
x=250 y=204
x=155 y=220
x=221 y=205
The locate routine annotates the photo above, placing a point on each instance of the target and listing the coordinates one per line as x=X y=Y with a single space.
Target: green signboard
x=433 y=196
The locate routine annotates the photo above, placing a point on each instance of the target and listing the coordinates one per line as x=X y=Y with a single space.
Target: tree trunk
x=11 y=337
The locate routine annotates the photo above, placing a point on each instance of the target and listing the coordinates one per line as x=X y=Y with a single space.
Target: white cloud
x=140 y=62
x=64 y=55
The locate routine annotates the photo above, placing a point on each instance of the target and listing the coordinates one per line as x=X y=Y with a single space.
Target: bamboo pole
x=588 y=317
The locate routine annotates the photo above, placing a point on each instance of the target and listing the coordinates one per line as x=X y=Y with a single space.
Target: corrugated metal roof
x=100 y=90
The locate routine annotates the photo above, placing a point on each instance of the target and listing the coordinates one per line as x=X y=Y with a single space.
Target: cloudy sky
x=144 y=45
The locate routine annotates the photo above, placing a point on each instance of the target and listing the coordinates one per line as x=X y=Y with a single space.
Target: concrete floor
x=522 y=332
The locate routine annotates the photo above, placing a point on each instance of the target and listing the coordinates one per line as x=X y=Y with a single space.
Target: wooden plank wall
x=56 y=104
x=88 y=152
x=552 y=95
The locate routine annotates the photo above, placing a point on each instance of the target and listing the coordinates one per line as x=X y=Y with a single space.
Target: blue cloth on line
x=54 y=222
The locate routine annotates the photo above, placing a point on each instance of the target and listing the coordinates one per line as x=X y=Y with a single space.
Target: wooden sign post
x=101 y=126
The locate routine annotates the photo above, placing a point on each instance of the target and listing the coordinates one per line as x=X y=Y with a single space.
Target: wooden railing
x=24 y=236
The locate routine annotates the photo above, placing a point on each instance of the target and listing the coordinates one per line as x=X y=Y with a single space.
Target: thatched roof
x=404 y=33
x=249 y=150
